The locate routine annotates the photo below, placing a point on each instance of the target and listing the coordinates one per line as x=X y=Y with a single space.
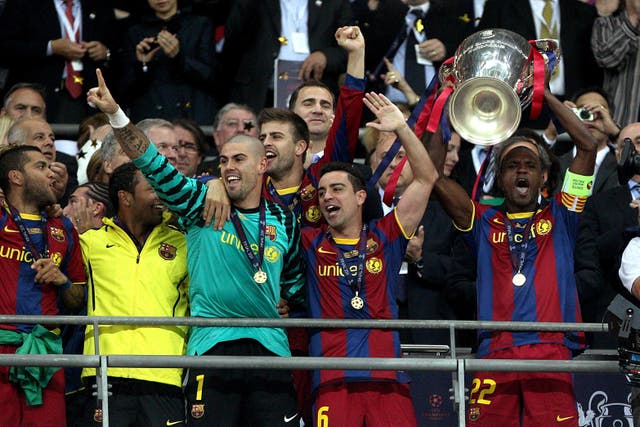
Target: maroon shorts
x=374 y=404
x=535 y=398
x=13 y=406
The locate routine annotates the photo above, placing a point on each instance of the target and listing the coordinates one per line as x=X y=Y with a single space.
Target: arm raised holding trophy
x=524 y=246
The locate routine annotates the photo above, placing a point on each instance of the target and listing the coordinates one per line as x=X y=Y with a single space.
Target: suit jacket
x=27 y=26
x=251 y=46
x=601 y=241
x=576 y=20
x=606 y=178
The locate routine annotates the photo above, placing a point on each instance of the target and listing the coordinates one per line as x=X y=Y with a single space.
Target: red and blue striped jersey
x=18 y=292
x=549 y=293
x=329 y=297
x=340 y=147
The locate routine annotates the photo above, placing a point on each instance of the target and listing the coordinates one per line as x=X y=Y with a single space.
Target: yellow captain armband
x=577 y=185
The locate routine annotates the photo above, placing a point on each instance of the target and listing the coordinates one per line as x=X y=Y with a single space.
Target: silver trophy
x=493 y=82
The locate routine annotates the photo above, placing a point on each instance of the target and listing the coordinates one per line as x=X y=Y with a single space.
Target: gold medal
x=260 y=277
x=357 y=302
x=519 y=279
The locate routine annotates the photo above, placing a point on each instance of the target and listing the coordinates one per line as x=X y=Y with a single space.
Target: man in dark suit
x=37 y=47
x=601 y=240
x=429 y=36
x=575 y=20
x=595 y=101
x=254 y=38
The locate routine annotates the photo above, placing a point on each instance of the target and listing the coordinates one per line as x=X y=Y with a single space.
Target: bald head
x=252 y=144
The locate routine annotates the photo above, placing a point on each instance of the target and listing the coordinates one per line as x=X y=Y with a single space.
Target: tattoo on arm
x=132 y=140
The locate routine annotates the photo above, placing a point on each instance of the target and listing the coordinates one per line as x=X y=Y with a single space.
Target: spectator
x=88 y=204
x=428 y=36
x=524 y=257
x=41 y=44
x=46 y=271
x=37 y=132
x=614 y=42
x=231 y=120
x=168 y=65
x=192 y=146
x=248 y=285
x=163 y=135
x=24 y=100
x=256 y=33
x=600 y=243
x=368 y=257
x=595 y=103
x=152 y=278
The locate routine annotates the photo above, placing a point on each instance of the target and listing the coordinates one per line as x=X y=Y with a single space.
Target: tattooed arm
x=133 y=142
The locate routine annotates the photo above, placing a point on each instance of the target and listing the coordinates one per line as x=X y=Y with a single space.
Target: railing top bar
x=270 y=362
x=307 y=323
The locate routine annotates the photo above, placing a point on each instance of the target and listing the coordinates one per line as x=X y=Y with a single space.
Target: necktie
x=73 y=83
x=414 y=72
x=547 y=29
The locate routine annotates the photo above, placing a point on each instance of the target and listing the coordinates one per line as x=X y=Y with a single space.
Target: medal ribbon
x=362 y=253
x=256 y=262
x=518 y=252
x=28 y=241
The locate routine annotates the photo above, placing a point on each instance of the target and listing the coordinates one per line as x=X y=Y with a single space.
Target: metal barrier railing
x=604 y=361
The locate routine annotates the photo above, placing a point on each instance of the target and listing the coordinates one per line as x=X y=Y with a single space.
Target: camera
x=584 y=114
x=623 y=318
x=629 y=164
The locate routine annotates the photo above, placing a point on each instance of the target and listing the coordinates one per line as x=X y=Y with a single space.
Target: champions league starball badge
x=260 y=277
x=357 y=302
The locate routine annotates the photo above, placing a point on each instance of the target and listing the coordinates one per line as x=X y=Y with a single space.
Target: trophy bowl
x=492 y=71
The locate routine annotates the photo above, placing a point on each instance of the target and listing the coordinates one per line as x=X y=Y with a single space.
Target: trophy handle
x=550 y=51
x=445 y=71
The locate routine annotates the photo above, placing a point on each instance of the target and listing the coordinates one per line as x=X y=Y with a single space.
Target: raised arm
x=132 y=140
x=414 y=199
x=584 y=161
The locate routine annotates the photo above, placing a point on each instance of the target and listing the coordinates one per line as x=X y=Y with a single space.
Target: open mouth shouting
x=522 y=186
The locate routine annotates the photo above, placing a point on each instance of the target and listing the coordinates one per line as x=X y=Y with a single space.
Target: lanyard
x=518 y=252
x=28 y=241
x=256 y=262
x=362 y=253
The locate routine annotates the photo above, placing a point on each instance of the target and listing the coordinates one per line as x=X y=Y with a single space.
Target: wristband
x=577 y=185
x=66 y=286
x=118 y=119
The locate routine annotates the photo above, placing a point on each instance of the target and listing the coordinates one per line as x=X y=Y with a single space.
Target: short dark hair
x=310 y=83
x=13 y=157
x=196 y=131
x=594 y=89
x=355 y=176
x=300 y=128
x=123 y=178
x=36 y=87
x=99 y=192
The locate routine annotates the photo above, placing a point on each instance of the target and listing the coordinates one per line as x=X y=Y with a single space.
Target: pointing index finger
x=101 y=84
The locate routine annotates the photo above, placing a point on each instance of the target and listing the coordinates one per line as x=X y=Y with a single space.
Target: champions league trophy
x=493 y=80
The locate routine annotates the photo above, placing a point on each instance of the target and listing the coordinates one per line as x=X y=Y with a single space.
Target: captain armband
x=577 y=185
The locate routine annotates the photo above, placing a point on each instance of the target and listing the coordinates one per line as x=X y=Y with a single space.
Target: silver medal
x=519 y=279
